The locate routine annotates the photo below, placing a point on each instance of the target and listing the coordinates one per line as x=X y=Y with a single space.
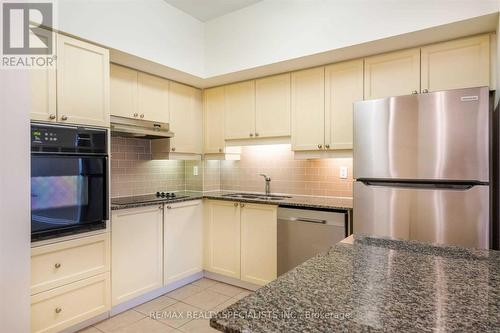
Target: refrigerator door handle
x=430 y=186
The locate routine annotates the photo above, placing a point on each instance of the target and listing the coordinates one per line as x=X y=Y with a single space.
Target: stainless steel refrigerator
x=422 y=167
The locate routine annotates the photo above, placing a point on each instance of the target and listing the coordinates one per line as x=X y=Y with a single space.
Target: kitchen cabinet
x=222 y=238
x=43 y=94
x=60 y=308
x=183 y=240
x=136 y=252
x=258 y=243
x=272 y=106
x=461 y=63
x=123 y=91
x=308 y=109
x=392 y=74
x=213 y=120
x=82 y=82
x=239 y=110
x=153 y=98
x=186 y=118
x=343 y=87
x=61 y=263
x=241 y=240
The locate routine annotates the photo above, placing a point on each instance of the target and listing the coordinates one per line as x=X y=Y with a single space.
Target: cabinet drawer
x=59 y=308
x=61 y=263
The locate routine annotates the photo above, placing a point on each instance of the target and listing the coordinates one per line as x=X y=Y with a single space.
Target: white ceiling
x=205 y=10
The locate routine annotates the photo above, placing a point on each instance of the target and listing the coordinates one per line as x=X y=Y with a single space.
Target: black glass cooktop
x=159 y=197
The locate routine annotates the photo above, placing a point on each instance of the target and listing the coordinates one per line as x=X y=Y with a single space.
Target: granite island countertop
x=298 y=201
x=377 y=285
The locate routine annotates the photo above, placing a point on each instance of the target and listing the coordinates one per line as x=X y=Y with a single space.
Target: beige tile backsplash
x=134 y=173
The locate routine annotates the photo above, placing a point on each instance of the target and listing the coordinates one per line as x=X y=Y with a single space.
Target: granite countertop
x=377 y=285
x=339 y=203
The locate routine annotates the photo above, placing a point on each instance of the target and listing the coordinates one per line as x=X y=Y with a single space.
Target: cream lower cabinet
x=392 y=74
x=258 y=243
x=461 y=63
x=213 y=120
x=136 y=252
x=182 y=240
x=82 y=82
x=222 y=238
x=241 y=240
x=70 y=282
x=186 y=116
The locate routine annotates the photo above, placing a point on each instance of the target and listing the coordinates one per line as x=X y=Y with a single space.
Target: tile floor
x=186 y=309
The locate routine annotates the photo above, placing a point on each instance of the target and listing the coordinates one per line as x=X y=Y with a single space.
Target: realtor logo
x=26 y=41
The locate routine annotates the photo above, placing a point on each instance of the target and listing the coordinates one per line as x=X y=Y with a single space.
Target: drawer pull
x=58 y=310
x=57 y=265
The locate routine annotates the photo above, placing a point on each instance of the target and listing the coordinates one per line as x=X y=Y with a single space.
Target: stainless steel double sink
x=256 y=196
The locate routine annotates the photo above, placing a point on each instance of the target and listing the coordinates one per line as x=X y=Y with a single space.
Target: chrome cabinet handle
x=58 y=310
x=235 y=204
x=320 y=146
x=173 y=148
x=251 y=134
x=169 y=207
x=142 y=115
x=256 y=134
x=327 y=146
x=57 y=265
x=64 y=117
x=242 y=205
x=414 y=92
x=425 y=91
x=220 y=150
x=52 y=116
x=136 y=115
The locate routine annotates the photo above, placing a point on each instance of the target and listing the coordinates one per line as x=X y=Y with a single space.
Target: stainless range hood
x=138 y=128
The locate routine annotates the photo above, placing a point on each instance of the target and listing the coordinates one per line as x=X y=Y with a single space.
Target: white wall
x=149 y=29
x=14 y=202
x=278 y=30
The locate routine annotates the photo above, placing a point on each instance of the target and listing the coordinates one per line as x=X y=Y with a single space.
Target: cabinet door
x=183 y=240
x=136 y=252
x=392 y=74
x=123 y=92
x=272 y=106
x=82 y=82
x=153 y=98
x=222 y=238
x=213 y=119
x=462 y=63
x=258 y=243
x=239 y=113
x=185 y=119
x=343 y=87
x=43 y=91
x=308 y=109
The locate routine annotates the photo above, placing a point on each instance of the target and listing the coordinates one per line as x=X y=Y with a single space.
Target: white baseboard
x=86 y=323
x=230 y=280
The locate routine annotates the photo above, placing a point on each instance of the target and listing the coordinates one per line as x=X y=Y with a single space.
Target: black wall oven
x=69 y=180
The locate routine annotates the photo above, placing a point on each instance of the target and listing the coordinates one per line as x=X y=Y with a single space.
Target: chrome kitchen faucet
x=268 y=183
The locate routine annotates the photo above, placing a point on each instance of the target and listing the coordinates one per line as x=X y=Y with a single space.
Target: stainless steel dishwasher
x=303 y=233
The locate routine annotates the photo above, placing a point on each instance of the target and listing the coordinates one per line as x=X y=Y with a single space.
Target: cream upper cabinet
x=136 y=252
x=186 y=117
x=258 y=243
x=239 y=111
x=308 y=109
x=183 y=240
x=222 y=238
x=123 y=92
x=461 y=63
x=213 y=120
x=392 y=74
x=272 y=106
x=43 y=94
x=343 y=87
x=152 y=98
x=82 y=82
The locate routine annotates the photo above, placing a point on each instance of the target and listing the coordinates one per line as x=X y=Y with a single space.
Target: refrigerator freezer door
x=439 y=215
x=435 y=136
